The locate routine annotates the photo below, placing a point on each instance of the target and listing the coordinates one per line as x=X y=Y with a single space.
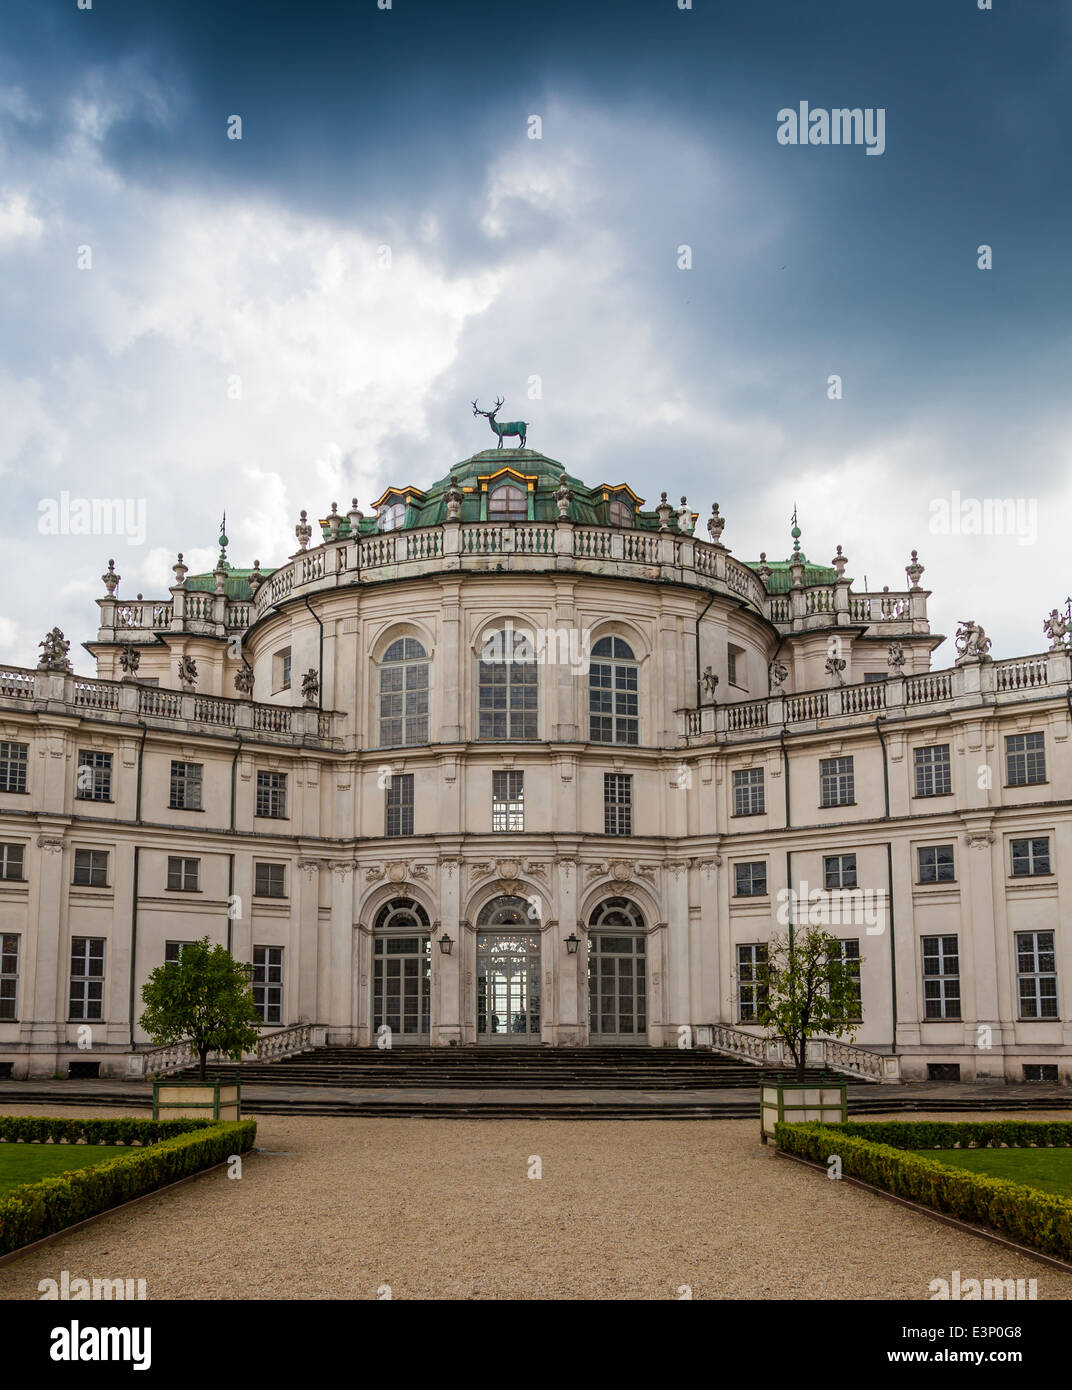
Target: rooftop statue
x=972 y=642
x=507 y=429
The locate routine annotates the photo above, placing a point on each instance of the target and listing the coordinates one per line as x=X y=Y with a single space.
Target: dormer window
x=508 y=503
x=393 y=516
x=621 y=513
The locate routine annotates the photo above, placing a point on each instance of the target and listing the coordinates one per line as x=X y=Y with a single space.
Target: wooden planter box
x=791 y=1100
x=196 y=1100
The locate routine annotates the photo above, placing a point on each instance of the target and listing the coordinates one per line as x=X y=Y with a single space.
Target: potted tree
x=203 y=999
x=805 y=989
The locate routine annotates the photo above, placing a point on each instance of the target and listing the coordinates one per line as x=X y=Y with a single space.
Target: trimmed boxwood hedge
x=876 y=1153
x=173 y=1149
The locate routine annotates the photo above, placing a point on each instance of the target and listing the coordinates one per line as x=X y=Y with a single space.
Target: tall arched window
x=508 y=691
x=404 y=694
x=508 y=503
x=613 y=693
x=621 y=514
x=392 y=517
x=401 y=971
x=617 y=972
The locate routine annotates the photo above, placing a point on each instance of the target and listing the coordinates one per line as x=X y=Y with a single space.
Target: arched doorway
x=617 y=973
x=508 y=972
x=401 y=972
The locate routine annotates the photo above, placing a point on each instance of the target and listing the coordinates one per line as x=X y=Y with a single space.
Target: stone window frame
x=269 y=986
x=933 y=773
x=405 y=663
x=1033 y=758
x=10 y=955
x=178 y=872
x=1029 y=945
x=948 y=997
x=98 y=786
x=507 y=801
x=85 y=1005
x=618 y=666
x=747 y=781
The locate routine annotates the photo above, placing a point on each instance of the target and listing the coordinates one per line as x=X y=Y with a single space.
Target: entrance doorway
x=401 y=972
x=617 y=974
x=508 y=973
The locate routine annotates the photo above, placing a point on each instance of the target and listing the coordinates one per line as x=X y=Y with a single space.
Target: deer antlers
x=488 y=413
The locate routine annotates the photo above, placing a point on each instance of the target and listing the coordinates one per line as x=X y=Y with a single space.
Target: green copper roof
x=780 y=579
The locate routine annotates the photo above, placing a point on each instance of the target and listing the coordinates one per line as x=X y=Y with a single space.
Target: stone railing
x=821 y=1052
x=671 y=555
x=974 y=683
x=128 y=702
x=272 y=1047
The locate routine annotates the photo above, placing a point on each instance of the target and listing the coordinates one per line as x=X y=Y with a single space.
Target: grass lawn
x=1050 y=1170
x=22 y=1163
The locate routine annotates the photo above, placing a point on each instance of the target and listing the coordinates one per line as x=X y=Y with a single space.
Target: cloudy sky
x=200 y=323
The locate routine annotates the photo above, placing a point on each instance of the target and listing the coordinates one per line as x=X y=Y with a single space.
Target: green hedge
x=1020 y=1213
x=174 y=1149
x=963 y=1134
x=42 y=1129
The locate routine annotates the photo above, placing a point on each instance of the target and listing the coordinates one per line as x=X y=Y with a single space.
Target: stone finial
x=664 y=512
x=187 y=672
x=334 y=522
x=914 y=570
x=563 y=498
x=716 y=524
x=839 y=562
x=181 y=572
x=303 y=530
x=54 y=651
x=354 y=517
x=110 y=578
x=310 y=686
x=256 y=579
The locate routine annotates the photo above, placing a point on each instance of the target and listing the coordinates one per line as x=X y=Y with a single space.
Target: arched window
x=404 y=694
x=621 y=513
x=392 y=517
x=508 y=503
x=613 y=693
x=507 y=686
x=401 y=914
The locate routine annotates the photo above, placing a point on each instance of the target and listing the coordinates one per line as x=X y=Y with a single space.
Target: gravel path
x=340 y=1207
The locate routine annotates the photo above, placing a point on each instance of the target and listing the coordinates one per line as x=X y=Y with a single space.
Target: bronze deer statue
x=507 y=429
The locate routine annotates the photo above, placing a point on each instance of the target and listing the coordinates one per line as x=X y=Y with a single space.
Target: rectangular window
x=183 y=875
x=9 y=977
x=186 y=786
x=281 y=670
x=936 y=864
x=750 y=879
x=748 y=798
x=751 y=992
x=1025 y=759
x=870 y=677
x=173 y=950
x=94 y=780
x=268 y=982
x=941 y=977
x=1030 y=857
x=850 y=957
x=269 y=880
x=508 y=687
x=934 y=773
x=1036 y=973
x=272 y=795
x=87 y=977
x=400 y=804
x=507 y=801
x=11 y=861
x=836 y=782
x=731 y=665
x=839 y=871
x=617 y=803
x=91 y=868
x=14 y=759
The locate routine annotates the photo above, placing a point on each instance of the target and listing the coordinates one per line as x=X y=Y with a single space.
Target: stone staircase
x=511 y=1068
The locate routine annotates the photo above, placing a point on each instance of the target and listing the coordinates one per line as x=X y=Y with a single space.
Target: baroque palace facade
x=515 y=760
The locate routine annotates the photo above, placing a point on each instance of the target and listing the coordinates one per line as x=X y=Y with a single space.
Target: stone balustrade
x=521 y=546
x=271 y=1047
x=128 y=702
x=821 y=1052
x=974 y=683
